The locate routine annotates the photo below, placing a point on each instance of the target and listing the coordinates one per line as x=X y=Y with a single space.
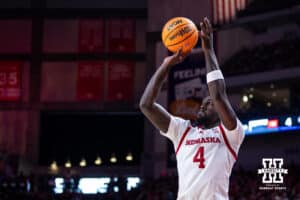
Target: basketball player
x=205 y=153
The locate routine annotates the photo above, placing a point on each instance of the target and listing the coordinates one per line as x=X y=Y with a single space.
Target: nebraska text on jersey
x=204 y=157
x=203 y=140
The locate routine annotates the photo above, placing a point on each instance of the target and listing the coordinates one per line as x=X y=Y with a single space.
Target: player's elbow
x=145 y=108
x=144 y=105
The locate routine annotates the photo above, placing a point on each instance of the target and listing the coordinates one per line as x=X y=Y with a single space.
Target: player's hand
x=206 y=34
x=176 y=58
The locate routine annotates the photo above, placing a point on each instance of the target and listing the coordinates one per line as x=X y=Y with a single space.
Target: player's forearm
x=216 y=88
x=154 y=86
x=211 y=60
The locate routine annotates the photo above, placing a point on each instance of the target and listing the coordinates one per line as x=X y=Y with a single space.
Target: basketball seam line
x=182 y=40
x=174 y=30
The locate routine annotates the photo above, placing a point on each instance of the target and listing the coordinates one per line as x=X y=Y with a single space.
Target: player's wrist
x=214 y=75
x=208 y=50
x=168 y=62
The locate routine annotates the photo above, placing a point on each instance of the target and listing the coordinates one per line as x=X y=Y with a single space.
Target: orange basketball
x=179 y=32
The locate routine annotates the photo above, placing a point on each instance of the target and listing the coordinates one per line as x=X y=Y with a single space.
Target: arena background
x=72 y=74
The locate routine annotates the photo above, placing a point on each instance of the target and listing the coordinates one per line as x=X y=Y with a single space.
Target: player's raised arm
x=159 y=117
x=215 y=80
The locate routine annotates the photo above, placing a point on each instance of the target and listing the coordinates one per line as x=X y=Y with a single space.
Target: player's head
x=207 y=115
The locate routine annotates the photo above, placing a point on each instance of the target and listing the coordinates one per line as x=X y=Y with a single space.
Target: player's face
x=207 y=112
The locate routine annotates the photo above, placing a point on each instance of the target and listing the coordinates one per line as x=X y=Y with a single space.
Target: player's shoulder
x=238 y=131
x=180 y=121
x=178 y=118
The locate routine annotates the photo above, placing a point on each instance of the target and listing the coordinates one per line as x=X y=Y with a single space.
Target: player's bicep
x=158 y=116
x=226 y=112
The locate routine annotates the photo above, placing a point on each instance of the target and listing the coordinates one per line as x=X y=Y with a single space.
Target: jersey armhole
x=182 y=138
x=232 y=152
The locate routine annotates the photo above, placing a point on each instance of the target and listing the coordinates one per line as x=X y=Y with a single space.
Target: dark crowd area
x=266 y=57
x=262 y=6
x=244 y=185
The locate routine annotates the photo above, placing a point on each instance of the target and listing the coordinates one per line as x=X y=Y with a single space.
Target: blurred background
x=72 y=74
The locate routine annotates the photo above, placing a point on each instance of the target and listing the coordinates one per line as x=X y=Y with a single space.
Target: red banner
x=10 y=81
x=91 y=35
x=90 y=81
x=121 y=37
x=120 y=80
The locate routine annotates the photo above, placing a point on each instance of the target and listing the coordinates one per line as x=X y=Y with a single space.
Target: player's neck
x=210 y=125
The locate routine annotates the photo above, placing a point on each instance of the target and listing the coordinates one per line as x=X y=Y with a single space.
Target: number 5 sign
x=10 y=81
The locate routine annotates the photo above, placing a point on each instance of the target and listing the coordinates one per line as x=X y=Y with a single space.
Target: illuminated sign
x=272 y=125
x=94 y=185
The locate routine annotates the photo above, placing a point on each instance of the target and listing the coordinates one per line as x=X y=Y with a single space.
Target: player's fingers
x=186 y=54
x=206 y=21
x=203 y=28
x=178 y=52
x=208 y=24
x=203 y=35
x=200 y=34
x=183 y=56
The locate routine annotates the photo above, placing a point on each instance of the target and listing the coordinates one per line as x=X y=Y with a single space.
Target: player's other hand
x=206 y=34
x=176 y=58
